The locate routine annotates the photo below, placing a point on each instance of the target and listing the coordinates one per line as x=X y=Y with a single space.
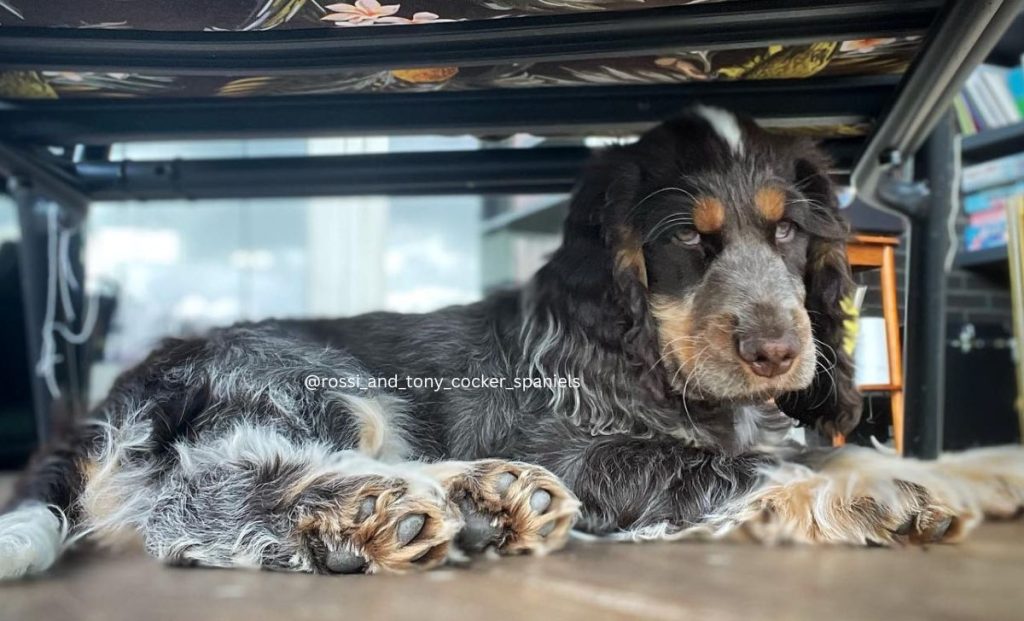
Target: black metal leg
x=43 y=307
x=925 y=325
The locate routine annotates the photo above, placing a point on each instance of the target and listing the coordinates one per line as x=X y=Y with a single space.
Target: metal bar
x=44 y=174
x=964 y=34
x=467 y=43
x=540 y=170
x=1015 y=255
x=993 y=143
x=40 y=219
x=926 y=287
x=551 y=110
x=49 y=200
x=33 y=264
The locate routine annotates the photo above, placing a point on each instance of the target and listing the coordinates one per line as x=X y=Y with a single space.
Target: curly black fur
x=673 y=254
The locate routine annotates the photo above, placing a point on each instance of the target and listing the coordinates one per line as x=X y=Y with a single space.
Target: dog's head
x=727 y=253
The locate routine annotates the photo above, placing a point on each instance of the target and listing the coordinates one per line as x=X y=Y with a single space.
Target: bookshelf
x=992 y=144
x=981 y=147
x=990 y=114
x=989 y=259
x=985 y=146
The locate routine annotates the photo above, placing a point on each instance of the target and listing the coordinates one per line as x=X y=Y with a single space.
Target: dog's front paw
x=990 y=480
x=514 y=507
x=858 y=498
x=379 y=523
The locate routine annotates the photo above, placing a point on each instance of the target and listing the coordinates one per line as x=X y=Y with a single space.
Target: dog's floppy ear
x=599 y=240
x=831 y=403
x=639 y=341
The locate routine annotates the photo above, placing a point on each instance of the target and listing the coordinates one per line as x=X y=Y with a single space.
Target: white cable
x=60 y=279
x=48 y=357
x=954 y=212
x=91 y=314
x=67 y=278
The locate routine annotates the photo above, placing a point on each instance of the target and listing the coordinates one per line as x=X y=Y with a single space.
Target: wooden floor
x=980 y=579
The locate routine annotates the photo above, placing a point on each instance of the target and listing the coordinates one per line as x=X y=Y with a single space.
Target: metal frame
x=964 y=34
x=926 y=294
x=38 y=183
x=463 y=44
x=540 y=170
x=37 y=277
x=550 y=110
x=489 y=171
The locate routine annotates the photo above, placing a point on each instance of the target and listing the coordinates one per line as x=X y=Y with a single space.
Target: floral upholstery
x=821 y=59
x=267 y=14
x=867 y=57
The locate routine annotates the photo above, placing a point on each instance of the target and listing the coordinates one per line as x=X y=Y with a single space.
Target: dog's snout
x=768 y=357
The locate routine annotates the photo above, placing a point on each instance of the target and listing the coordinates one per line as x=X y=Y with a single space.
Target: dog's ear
x=600 y=241
x=639 y=341
x=831 y=403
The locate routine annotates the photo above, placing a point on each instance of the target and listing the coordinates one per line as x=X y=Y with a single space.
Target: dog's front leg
x=649 y=488
x=653 y=489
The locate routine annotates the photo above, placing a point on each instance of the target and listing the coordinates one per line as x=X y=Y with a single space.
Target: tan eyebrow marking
x=708 y=214
x=770 y=203
x=630 y=255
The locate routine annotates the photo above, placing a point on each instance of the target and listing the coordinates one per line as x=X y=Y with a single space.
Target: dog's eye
x=686 y=237
x=784 y=231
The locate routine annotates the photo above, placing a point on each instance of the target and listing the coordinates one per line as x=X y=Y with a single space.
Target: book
x=996 y=81
x=999 y=196
x=993 y=173
x=964 y=118
x=1015 y=82
x=994 y=96
x=977 y=94
x=988 y=216
x=984 y=236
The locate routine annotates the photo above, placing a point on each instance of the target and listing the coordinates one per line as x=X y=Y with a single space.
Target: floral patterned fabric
x=821 y=59
x=863 y=57
x=186 y=15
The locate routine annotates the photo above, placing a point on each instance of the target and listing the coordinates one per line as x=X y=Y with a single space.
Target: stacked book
x=987 y=209
x=993 y=97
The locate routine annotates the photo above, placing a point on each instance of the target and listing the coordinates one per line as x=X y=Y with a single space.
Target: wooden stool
x=879 y=252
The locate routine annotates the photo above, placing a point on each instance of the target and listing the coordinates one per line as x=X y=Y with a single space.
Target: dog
x=643 y=385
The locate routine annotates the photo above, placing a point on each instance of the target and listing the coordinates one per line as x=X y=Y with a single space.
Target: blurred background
x=177 y=267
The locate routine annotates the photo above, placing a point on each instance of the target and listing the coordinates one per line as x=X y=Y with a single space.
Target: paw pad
x=388 y=524
x=514 y=507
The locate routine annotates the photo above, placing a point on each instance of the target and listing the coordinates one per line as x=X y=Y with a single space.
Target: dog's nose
x=767 y=357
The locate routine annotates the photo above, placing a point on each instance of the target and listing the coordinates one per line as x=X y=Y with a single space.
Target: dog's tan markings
x=101 y=498
x=708 y=214
x=681 y=339
x=675 y=329
x=859 y=496
x=771 y=203
x=507 y=492
x=629 y=256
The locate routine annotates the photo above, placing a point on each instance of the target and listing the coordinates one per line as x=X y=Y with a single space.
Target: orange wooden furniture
x=879 y=252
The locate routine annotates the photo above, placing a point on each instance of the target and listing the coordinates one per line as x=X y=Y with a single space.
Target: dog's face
x=725 y=227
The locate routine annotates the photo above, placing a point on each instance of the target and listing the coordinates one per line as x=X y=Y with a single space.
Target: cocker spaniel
x=643 y=385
